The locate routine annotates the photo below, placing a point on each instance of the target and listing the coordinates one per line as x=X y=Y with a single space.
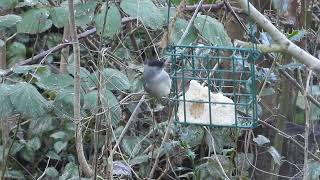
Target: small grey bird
x=156 y=80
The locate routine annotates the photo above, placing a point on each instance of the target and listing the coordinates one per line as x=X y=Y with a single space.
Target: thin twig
x=190 y=23
x=165 y=137
x=125 y=129
x=216 y=156
x=44 y=172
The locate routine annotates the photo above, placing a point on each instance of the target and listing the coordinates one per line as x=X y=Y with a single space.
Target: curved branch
x=77 y=117
x=278 y=37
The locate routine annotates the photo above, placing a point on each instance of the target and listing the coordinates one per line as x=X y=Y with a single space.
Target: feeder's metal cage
x=226 y=70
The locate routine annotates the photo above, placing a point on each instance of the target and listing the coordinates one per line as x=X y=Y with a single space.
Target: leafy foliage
x=212 y=30
x=28 y=101
x=145 y=10
x=34 y=21
x=112 y=22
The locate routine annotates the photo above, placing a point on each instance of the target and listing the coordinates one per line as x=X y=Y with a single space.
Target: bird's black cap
x=156 y=63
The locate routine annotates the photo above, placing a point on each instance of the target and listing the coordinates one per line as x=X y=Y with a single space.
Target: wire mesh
x=221 y=81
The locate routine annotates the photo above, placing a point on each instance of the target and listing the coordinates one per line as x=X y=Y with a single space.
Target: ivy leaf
x=8 y=21
x=179 y=29
x=113 y=22
x=8 y=4
x=261 y=140
x=84 y=13
x=34 y=21
x=70 y=171
x=59 y=16
x=313 y=170
x=212 y=30
x=52 y=172
x=131 y=145
x=58 y=135
x=27 y=68
x=40 y=125
x=59 y=146
x=28 y=101
x=16 y=52
x=144 y=10
x=115 y=80
x=6 y=108
x=13 y=174
x=34 y=144
x=139 y=160
x=192 y=135
x=91 y=99
x=275 y=155
x=55 y=81
x=53 y=155
x=63 y=103
x=27 y=154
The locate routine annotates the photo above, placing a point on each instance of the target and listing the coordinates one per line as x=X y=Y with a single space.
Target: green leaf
x=261 y=140
x=34 y=144
x=84 y=73
x=192 y=135
x=9 y=20
x=16 y=147
x=59 y=146
x=144 y=10
x=70 y=170
x=53 y=155
x=6 y=107
x=13 y=174
x=28 y=101
x=138 y=160
x=27 y=68
x=8 y=4
x=113 y=22
x=63 y=103
x=212 y=30
x=268 y=92
x=30 y=3
x=242 y=160
x=178 y=30
x=131 y=145
x=91 y=99
x=27 y=154
x=53 y=39
x=59 y=16
x=137 y=84
x=16 y=52
x=275 y=155
x=313 y=170
x=55 y=81
x=52 y=172
x=34 y=21
x=84 y=13
x=123 y=53
x=115 y=80
x=297 y=35
x=58 y=135
x=40 y=125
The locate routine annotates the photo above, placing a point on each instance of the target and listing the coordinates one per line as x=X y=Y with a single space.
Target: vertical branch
x=65 y=51
x=307 y=125
x=77 y=118
x=3 y=56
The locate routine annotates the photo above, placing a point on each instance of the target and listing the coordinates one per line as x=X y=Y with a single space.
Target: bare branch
x=278 y=37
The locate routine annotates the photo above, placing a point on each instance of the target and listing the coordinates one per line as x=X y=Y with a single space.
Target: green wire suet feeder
x=221 y=81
